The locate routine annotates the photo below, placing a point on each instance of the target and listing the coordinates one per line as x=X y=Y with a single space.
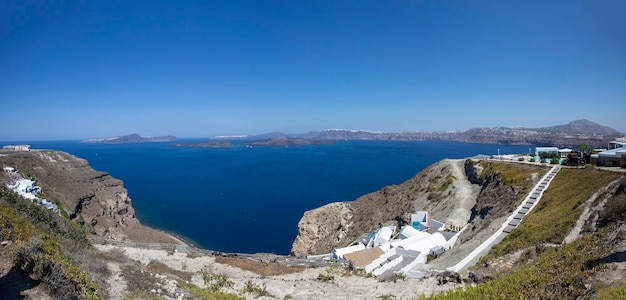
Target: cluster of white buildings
x=614 y=155
x=384 y=253
x=27 y=189
x=17 y=147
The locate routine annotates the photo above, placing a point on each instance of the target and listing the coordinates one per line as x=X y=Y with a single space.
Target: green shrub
x=46 y=220
x=257 y=290
x=197 y=293
x=325 y=277
x=38 y=234
x=216 y=282
x=446 y=183
x=612 y=292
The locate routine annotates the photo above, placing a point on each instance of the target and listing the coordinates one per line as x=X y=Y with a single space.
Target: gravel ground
x=301 y=285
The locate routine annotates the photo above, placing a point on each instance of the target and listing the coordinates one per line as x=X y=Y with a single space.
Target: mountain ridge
x=572 y=134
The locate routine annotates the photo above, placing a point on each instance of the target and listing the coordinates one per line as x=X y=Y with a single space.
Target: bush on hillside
x=39 y=234
x=46 y=220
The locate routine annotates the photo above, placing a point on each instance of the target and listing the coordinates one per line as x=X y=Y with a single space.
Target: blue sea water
x=250 y=199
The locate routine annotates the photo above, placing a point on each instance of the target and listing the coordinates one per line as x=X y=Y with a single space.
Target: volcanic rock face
x=441 y=189
x=91 y=198
x=455 y=192
x=321 y=228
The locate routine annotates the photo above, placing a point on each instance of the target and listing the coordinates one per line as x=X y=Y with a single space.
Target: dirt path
x=465 y=191
x=117 y=284
x=589 y=210
x=484 y=248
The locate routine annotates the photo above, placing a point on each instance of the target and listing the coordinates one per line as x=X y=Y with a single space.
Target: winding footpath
x=513 y=221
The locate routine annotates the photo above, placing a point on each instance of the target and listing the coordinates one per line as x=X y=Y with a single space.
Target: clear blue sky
x=77 y=69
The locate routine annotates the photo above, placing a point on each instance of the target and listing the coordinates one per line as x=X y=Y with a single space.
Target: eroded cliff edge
x=456 y=192
x=91 y=198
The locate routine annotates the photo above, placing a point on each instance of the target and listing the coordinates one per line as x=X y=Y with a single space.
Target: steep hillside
x=453 y=191
x=91 y=198
x=570 y=247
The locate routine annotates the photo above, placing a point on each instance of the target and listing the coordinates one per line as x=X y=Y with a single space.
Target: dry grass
x=515 y=174
x=558 y=273
x=139 y=280
x=558 y=210
x=161 y=268
x=263 y=269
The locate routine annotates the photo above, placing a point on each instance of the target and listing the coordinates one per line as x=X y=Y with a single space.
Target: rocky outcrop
x=314 y=237
x=91 y=198
x=453 y=191
x=441 y=189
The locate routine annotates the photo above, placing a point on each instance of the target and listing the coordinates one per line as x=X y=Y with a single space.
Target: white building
x=17 y=147
x=563 y=153
x=547 y=150
x=26 y=188
x=380 y=254
x=617 y=143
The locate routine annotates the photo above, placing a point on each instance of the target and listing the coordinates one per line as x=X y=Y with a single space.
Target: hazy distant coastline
x=568 y=135
x=285 y=141
x=131 y=139
x=207 y=144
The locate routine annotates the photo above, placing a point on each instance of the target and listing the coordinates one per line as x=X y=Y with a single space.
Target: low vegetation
x=557 y=212
x=198 y=293
x=161 y=268
x=216 y=282
x=41 y=255
x=446 y=183
x=45 y=220
x=558 y=273
x=611 y=292
x=143 y=295
x=514 y=173
x=257 y=290
x=556 y=270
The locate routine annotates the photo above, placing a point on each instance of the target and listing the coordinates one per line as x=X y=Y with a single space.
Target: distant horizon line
x=239 y=136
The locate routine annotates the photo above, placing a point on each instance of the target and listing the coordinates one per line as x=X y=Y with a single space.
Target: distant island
x=207 y=144
x=568 y=135
x=286 y=141
x=131 y=139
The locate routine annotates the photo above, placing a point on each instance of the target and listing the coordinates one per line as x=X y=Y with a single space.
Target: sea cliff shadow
x=14 y=282
x=612 y=258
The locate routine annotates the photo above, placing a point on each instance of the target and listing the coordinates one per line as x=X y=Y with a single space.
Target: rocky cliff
x=91 y=198
x=456 y=192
